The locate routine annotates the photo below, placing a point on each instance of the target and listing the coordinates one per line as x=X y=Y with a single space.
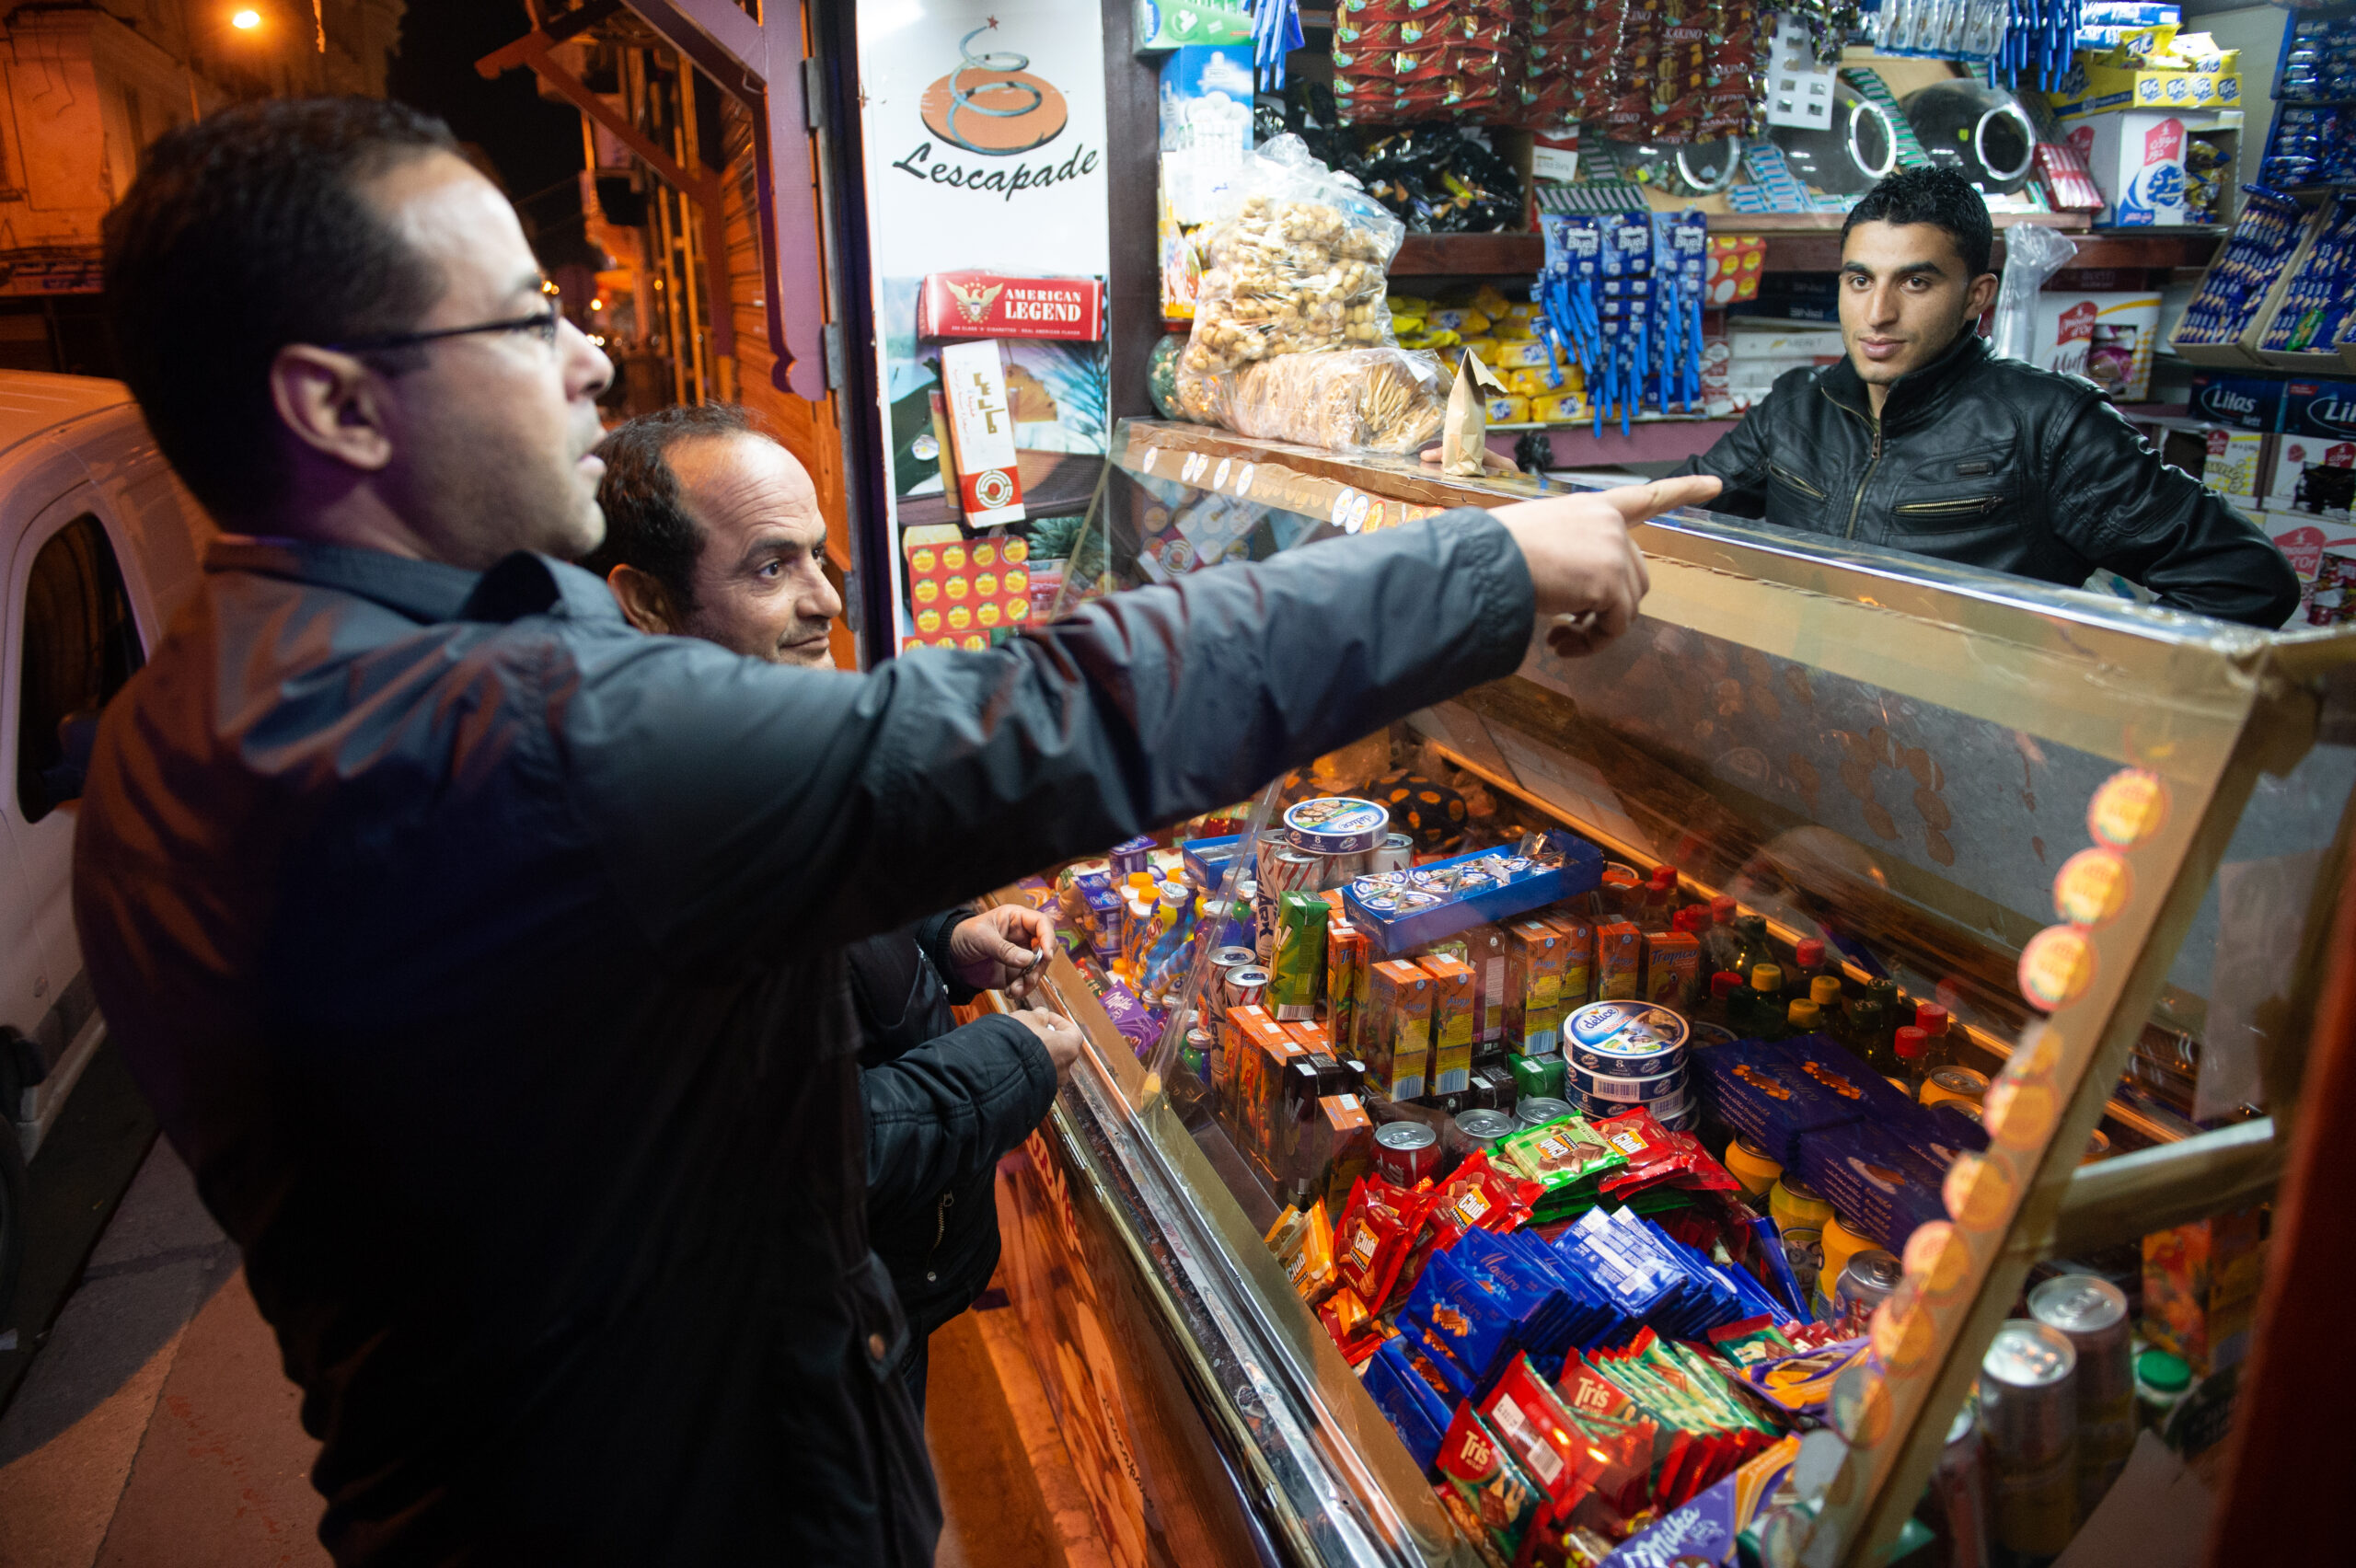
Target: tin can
x=1865 y=1284
x=1800 y=1215
x=1336 y=825
x=1958 y=1492
x=2093 y=1312
x=1129 y=855
x=1281 y=871
x=1244 y=986
x=1683 y=1121
x=1753 y=1166
x=1625 y=1090
x=1537 y=1110
x=1478 y=1131
x=2028 y=1407
x=1395 y=853
x=1625 y=1038
x=1405 y=1153
x=1953 y=1085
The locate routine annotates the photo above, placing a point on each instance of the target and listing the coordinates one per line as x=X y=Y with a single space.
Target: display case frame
x=2202 y=709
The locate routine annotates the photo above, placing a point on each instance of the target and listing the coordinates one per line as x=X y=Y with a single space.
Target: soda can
x=2028 y=1408
x=1405 y=1153
x=2093 y=1312
x=1477 y=1131
x=1243 y=986
x=1954 y=1086
x=1537 y=1110
x=1395 y=853
x=1959 y=1492
x=1865 y=1284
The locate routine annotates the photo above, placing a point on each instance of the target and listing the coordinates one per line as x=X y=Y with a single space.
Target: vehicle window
x=80 y=646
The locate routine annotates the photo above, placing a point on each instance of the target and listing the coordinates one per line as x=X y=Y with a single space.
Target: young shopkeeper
x=1922 y=440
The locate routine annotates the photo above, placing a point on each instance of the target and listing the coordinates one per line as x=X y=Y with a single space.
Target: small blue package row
x=2235 y=287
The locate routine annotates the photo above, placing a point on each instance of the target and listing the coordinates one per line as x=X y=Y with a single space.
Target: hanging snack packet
x=1479 y=1195
x=1488 y=1493
x=1417 y=1413
x=1801 y=1384
x=1357 y=1332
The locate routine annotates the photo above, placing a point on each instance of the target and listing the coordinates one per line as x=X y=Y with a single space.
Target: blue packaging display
x=1625 y=1038
x=1767 y=1242
x=1399 y=910
x=1207 y=858
x=1613 y=1087
x=1949 y=1132
x=1335 y=824
x=2245 y=402
x=2325 y=410
x=1706 y=1035
x=1756 y=1088
x=1130 y=854
x=1413 y=1407
x=1834 y=1066
x=2267 y=230
x=1872 y=1180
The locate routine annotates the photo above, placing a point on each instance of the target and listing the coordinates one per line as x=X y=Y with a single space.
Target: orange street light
x=246 y=20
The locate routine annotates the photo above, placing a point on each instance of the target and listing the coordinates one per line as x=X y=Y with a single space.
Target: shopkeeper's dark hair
x=243 y=234
x=1940 y=197
x=646 y=526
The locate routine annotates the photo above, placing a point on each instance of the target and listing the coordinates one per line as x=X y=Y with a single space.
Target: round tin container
x=1395 y=853
x=1624 y=1090
x=1708 y=1034
x=1537 y=1110
x=1625 y=1039
x=1405 y=1153
x=1336 y=825
x=1685 y=1121
x=1596 y=1110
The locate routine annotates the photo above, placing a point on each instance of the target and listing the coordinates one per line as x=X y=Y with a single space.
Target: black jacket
x=482 y=957
x=944 y=1102
x=1992 y=463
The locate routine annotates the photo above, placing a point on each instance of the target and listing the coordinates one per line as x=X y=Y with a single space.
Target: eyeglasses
x=544 y=323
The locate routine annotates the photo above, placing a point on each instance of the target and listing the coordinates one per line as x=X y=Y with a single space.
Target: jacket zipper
x=1858 y=505
x=940 y=1229
x=1793 y=480
x=1970 y=503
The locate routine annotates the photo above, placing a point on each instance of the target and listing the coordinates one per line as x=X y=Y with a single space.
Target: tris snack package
x=1488 y=1493
x=1397 y=1031
x=1451 y=1062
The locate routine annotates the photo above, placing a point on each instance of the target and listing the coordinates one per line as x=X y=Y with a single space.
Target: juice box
x=1260 y=1053
x=1345 y=967
x=1274 y=1051
x=1579 y=959
x=1451 y=1066
x=1484 y=953
x=1398 y=1029
x=1235 y=1042
x=1535 y=954
x=2201 y=1288
x=1336 y=1149
x=1618 y=961
x=1673 y=970
x=1297 y=973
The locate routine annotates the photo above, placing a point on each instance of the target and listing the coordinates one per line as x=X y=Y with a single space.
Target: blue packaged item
x=1414 y=1410
x=1757 y=1088
x=1460 y=1318
x=1206 y=859
x=2245 y=402
x=1873 y=1181
x=1104 y=910
x=1707 y=1527
x=1399 y=910
x=1948 y=1132
x=1781 y=1281
x=1130 y=854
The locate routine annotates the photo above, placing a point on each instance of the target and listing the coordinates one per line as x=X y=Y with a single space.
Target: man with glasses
x=481 y=954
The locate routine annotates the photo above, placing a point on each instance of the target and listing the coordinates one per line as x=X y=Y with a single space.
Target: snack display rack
x=1996 y=791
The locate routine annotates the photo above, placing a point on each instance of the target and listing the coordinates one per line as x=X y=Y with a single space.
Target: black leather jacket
x=482 y=958
x=944 y=1102
x=1992 y=463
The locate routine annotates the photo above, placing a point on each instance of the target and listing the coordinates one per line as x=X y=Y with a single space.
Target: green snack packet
x=1562 y=1153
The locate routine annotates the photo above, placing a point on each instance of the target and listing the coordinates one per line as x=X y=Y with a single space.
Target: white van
x=100 y=544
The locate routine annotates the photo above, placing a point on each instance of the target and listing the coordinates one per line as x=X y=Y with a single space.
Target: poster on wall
x=984 y=128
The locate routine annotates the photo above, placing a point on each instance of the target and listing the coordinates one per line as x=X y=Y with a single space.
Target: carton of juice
x=1618 y=961
x=1452 y=1063
x=1398 y=1029
x=1346 y=970
x=1485 y=952
x=1535 y=952
x=1579 y=959
x=1673 y=970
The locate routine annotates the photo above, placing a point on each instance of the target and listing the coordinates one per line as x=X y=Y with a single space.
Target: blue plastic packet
x=1416 y=1413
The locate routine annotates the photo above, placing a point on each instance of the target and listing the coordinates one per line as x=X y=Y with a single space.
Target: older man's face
x=760 y=583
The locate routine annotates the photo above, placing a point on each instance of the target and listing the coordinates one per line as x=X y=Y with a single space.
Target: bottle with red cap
x=1938 y=1047
x=1721 y=947
x=1719 y=1006
x=1910 y=1046
x=1807 y=962
x=1659 y=902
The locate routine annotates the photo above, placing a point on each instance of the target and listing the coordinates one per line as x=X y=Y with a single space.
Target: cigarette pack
x=1535 y=956
x=981 y=426
x=1274 y=1051
x=1336 y=1149
x=1451 y=1066
x=1618 y=961
x=1673 y=970
x=1397 y=1031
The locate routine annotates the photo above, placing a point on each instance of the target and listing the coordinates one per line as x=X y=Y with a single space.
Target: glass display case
x=2105 y=837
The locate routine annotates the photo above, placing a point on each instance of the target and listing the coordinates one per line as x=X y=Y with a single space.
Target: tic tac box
x=2108 y=338
x=2137 y=158
x=1757 y=1087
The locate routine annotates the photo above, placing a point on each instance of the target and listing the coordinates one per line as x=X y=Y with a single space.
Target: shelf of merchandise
x=1796 y=242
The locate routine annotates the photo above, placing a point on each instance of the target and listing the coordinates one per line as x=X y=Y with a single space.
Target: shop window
x=80 y=646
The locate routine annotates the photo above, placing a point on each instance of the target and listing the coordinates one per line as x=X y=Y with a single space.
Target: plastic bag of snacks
x=1298 y=266
x=1369 y=399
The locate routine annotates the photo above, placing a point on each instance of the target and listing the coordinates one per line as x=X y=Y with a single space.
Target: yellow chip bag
x=1568 y=407
x=1509 y=410
x=1520 y=352
x=1459 y=319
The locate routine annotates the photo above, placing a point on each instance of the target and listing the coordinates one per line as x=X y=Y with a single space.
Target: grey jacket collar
x=428 y=592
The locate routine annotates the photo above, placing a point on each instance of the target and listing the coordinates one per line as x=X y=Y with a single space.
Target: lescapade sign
x=1007 y=183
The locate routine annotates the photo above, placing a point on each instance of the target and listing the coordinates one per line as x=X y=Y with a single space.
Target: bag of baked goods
x=1295 y=266
x=1367 y=399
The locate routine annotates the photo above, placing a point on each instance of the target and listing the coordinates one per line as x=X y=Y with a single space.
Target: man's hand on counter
x=1057 y=1033
x=1588 y=574
x=1003 y=947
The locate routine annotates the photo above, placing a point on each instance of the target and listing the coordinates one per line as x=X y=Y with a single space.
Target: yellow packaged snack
x=1520 y=352
x=1509 y=410
x=1458 y=318
x=1410 y=305
x=1569 y=408
x=1431 y=338
x=1484 y=348
x=1508 y=329
x=1489 y=302
x=1311 y=1268
x=1525 y=381
x=1405 y=326
x=1522 y=310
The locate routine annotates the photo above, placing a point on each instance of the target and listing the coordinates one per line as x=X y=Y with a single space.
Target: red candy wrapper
x=1355 y=1332
x=1658 y=1157
x=1379 y=1226
x=1478 y=1196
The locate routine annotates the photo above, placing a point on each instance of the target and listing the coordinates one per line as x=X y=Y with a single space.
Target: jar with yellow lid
x=1753 y=1166
x=1800 y=1215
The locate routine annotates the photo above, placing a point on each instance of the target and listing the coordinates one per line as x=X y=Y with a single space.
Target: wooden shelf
x=1797 y=242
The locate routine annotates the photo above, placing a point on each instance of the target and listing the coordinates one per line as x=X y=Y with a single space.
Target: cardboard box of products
x=2137 y=158
x=2108 y=338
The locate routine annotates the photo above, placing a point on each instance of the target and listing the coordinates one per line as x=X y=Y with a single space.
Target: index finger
x=1636 y=502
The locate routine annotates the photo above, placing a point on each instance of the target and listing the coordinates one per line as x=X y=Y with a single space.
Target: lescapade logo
x=992 y=104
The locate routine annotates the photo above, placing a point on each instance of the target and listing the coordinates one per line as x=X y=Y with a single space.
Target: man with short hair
x=713 y=530
x=482 y=955
x=1922 y=438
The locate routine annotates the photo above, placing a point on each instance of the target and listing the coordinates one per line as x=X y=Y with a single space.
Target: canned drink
x=1282 y=870
x=2093 y=1312
x=1959 y=1492
x=1537 y=1110
x=1865 y=1284
x=1405 y=1153
x=1478 y=1131
x=1955 y=1085
x=2028 y=1412
x=1244 y=986
x=1395 y=853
